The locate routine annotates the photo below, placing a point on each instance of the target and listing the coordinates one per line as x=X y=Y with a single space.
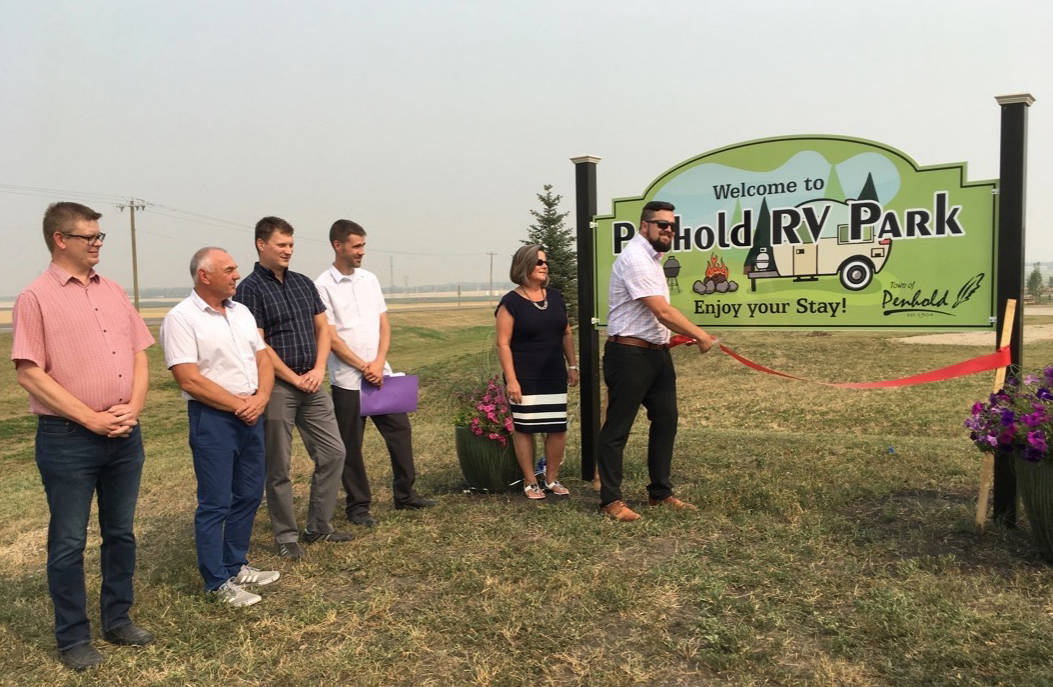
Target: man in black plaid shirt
x=291 y=319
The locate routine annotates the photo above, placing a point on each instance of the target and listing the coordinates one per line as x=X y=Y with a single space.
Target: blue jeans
x=229 y=465
x=74 y=464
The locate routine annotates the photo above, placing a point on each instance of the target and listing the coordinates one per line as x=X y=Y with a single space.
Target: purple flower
x=1034 y=419
x=1037 y=440
x=1030 y=380
x=1007 y=417
x=1044 y=394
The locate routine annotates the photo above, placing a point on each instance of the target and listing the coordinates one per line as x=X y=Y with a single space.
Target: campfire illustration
x=716 y=278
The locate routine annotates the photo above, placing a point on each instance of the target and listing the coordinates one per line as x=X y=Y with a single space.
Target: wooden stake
x=987 y=470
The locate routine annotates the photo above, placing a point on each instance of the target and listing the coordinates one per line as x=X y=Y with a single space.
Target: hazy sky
x=434 y=123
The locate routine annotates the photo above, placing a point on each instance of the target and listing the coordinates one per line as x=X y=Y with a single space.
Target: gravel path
x=1032 y=332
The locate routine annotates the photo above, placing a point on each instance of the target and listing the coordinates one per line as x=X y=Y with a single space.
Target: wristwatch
x=573 y=367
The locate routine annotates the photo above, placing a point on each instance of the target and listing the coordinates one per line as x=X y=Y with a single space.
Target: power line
x=199 y=215
x=217 y=225
x=172 y=212
x=51 y=192
x=221 y=223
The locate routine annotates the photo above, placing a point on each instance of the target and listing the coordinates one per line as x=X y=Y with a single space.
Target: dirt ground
x=1032 y=332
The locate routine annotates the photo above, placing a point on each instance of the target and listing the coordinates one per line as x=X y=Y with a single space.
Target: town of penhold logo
x=716 y=280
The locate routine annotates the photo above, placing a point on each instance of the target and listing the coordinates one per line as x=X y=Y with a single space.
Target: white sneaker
x=250 y=575
x=234 y=595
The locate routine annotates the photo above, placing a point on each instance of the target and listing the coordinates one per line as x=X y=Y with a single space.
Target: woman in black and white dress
x=536 y=349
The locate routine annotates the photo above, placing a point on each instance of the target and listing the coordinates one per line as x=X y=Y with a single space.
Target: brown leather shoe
x=673 y=502
x=620 y=512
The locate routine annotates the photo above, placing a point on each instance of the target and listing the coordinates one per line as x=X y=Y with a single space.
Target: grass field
x=834 y=546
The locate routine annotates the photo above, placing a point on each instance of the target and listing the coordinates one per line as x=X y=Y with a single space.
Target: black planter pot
x=1034 y=484
x=485 y=464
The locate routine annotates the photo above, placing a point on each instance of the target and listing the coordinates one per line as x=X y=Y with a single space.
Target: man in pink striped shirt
x=80 y=351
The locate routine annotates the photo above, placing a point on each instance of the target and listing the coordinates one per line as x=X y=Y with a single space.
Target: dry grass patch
x=818 y=557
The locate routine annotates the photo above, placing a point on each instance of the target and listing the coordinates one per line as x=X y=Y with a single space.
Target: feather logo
x=968 y=289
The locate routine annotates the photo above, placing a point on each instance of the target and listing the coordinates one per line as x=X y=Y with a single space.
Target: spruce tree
x=868 y=192
x=761 y=239
x=559 y=244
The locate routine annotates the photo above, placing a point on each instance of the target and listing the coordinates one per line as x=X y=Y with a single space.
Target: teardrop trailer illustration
x=854 y=258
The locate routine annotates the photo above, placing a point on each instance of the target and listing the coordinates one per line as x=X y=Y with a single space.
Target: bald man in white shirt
x=214 y=350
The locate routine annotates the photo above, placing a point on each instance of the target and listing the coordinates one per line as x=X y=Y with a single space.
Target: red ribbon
x=983 y=363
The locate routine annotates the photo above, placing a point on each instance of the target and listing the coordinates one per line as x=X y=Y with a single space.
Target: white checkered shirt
x=637 y=273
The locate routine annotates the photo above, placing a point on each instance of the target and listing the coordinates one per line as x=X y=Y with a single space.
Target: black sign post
x=588 y=337
x=1011 y=223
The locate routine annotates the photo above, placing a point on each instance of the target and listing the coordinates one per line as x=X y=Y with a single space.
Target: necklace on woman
x=542 y=305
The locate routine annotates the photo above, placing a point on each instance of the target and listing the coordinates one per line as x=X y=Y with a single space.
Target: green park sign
x=818 y=232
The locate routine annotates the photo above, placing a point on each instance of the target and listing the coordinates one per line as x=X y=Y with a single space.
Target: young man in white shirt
x=360 y=336
x=637 y=366
x=215 y=353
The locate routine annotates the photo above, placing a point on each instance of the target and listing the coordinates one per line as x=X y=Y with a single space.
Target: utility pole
x=490 y=293
x=132 y=206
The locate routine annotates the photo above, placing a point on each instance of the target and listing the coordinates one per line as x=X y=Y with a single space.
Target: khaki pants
x=313 y=416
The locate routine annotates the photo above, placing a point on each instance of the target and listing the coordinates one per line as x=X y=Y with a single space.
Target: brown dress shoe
x=672 y=502
x=620 y=512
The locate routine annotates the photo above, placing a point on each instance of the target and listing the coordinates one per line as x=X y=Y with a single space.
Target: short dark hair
x=523 y=263
x=654 y=206
x=59 y=216
x=342 y=228
x=268 y=225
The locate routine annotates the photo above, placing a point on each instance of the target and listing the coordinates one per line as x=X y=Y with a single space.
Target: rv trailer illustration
x=855 y=259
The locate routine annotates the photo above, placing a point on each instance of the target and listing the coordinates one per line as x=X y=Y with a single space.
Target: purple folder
x=398 y=395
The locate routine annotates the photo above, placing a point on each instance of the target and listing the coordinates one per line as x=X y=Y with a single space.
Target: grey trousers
x=313 y=416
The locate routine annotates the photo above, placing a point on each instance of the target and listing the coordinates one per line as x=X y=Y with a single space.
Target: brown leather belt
x=639 y=343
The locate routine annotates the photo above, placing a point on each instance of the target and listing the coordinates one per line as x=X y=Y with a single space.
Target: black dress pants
x=637 y=376
x=397 y=435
